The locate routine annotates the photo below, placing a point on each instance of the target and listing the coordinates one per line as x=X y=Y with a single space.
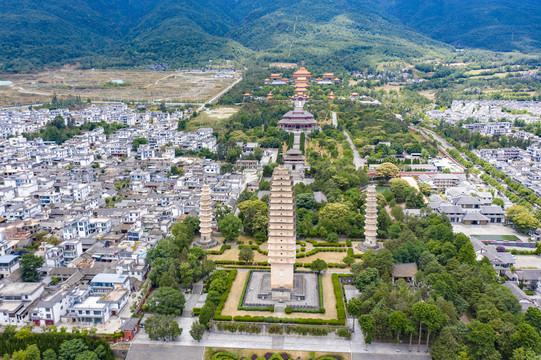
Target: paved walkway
x=188 y=349
x=357 y=160
x=297 y=140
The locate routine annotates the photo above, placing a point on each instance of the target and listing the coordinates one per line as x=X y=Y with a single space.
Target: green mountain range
x=352 y=33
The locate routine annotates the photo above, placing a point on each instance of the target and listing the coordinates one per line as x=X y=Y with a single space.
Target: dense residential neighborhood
x=97 y=204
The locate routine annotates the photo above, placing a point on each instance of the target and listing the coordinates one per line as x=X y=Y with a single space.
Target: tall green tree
x=230 y=227
x=29 y=267
x=166 y=300
x=368 y=325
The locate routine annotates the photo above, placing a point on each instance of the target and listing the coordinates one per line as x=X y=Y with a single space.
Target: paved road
x=164 y=351
x=357 y=160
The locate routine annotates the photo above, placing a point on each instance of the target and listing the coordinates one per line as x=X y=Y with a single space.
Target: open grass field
x=232 y=302
x=168 y=86
x=247 y=353
x=215 y=118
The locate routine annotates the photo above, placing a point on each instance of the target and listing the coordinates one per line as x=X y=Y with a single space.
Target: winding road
x=358 y=161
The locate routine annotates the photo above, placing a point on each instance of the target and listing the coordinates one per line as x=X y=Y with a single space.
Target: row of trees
x=450 y=283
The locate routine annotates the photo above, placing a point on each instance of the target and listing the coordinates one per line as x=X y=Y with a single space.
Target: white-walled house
x=15 y=301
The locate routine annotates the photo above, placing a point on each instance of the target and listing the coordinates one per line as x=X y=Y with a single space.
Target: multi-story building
x=8 y=264
x=15 y=301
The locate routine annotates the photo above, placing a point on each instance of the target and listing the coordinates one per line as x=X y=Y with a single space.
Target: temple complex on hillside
x=282 y=234
x=298 y=119
x=302 y=74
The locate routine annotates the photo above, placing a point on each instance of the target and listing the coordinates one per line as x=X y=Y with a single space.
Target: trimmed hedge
x=340 y=309
x=219 y=252
x=218 y=311
x=315 y=251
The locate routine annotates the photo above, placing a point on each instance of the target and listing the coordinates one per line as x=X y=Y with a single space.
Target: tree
x=305 y=200
x=227 y=168
x=348 y=260
x=332 y=238
x=87 y=355
x=71 y=348
x=29 y=267
x=526 y=336
x=162 y=327
x=397 y=320
x=420 y=313
x=435 y=320
x=467 y=254
x=335 y=217
x=258 y=153
x=138 y=141
x=246 y=254
x=481 y=339
x=354 y=307
x=368 y=325
x=387 y=170
x=366 y=278
x=533 y=317
x=525 y=354
x=166 y=301
x=197 y=331
x=525 y=222
x=397 y=212
x=318 y=266
x=229 y=227
x=425 y=189
x=446 y=345
x=49 y=354
x=207 y=311
x=254 y=215
x=176 y=171
x=499 y=202
x=221 y=211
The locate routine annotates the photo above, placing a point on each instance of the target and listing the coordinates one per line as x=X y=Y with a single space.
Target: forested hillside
x=353 y=33
x=501 y=25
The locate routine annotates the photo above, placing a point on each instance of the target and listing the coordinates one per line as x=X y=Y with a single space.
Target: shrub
x=288 y=310
x=343 y=332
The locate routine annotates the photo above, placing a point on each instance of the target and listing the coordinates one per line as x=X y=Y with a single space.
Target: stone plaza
x=304 y=295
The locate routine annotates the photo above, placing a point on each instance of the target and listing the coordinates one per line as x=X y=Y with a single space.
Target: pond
x=496 y=237
x=382 y=189
x=5 y=83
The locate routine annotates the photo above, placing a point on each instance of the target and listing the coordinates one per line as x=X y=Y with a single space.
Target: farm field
x=103 y=85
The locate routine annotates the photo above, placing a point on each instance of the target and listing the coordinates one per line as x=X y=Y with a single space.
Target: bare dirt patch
x=232 y=302
x=233 y=255
x=166 y=86
x=329 y=257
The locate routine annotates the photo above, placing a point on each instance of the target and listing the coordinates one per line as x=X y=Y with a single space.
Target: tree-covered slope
x=351 y=33
x=501 y=25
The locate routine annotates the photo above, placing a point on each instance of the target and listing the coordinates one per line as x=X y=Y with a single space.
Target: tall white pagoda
x=371 y=219
x=205 y=219
x=282 y=234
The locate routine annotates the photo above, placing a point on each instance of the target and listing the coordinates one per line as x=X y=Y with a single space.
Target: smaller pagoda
x=370 y=220
x=205 y=220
